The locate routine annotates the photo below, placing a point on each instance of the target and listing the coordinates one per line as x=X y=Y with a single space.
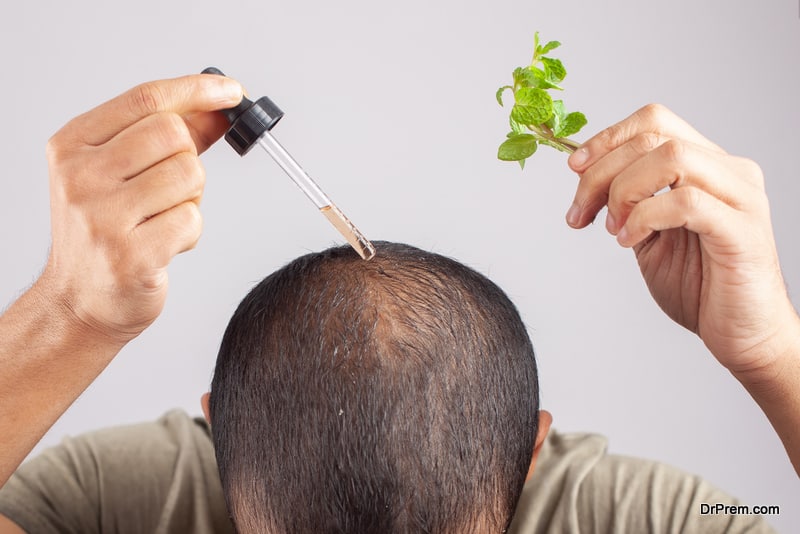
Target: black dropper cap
x=249 y=120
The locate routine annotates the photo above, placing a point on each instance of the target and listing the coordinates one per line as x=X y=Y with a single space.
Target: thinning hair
x=396 y=395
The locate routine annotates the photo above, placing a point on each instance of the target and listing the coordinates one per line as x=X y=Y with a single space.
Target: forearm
x=776 y=388
x=47 y=358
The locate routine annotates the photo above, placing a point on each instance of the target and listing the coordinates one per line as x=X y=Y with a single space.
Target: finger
x=172 y=182
x=139 y=147
x=205 y=128
x=678 y=164
x=592 y=192
x=168 y=234
x=199 y=92
x=653 y=118
x=686 y=207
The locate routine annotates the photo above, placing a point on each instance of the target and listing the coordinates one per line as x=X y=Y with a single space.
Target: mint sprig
x=536 y=119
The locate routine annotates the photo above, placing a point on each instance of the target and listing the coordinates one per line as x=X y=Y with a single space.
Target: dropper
x=251 y=123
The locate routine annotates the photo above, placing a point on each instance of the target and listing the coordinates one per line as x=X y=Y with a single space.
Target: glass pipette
x=251 y=123
x=315 y=194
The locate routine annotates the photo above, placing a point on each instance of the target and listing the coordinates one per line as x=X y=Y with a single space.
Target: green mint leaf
x=553 y=68
x=559 y=112
x=499 y=94
x=516 y=127
x=524 y=78
x=571 y=124
x=521 y=164
x=548 y=47
x=534 y=106
x=517 y=147
x=533 y=77
x=559 y=109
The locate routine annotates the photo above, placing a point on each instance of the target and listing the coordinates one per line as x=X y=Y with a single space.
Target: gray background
x=391 y=107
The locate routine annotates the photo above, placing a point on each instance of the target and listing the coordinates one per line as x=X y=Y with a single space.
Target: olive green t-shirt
x=161 y=477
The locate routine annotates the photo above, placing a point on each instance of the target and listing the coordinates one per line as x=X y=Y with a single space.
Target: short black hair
x=393 y=395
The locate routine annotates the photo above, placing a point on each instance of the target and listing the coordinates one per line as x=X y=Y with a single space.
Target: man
x=704 y=271
x=395 y=395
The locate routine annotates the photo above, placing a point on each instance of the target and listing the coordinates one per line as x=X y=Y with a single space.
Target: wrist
x=781 y=351
x=53 y=305
x=776 y=387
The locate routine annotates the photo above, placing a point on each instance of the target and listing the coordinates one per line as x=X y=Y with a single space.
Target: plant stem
x=569 y=145
x=545 y=135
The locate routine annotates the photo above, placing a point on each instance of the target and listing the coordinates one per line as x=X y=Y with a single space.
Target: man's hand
x=698 y=220
x=705 y=246
x=126 y=183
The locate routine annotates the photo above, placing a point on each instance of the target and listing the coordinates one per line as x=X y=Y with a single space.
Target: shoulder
x=173 y=432
x=123 y=451
x=142 y=453
x=578 y=487
x=139 y=475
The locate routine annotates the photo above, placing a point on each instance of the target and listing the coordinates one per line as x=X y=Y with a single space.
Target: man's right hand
x=126 y=182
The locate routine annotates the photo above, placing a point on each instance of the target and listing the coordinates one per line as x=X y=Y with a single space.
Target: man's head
x=395 y=395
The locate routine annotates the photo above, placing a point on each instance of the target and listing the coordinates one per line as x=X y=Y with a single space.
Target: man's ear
x=204 y=404
x=545 y=419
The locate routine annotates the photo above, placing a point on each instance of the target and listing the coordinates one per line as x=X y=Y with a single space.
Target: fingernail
x=611 y=224
x=578 y=158
x=573 y=215
x=622 y=236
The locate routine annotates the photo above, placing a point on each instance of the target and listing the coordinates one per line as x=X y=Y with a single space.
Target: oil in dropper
x=251 y=123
